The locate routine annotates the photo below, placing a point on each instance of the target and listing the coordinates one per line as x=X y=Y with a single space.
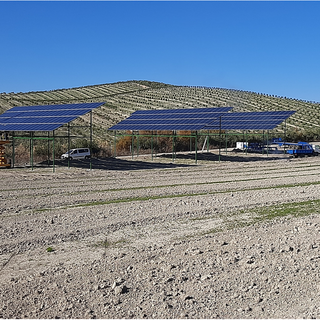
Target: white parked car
x=80 y=153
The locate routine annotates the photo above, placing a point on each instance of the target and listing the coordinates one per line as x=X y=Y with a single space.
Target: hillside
x=123 y=98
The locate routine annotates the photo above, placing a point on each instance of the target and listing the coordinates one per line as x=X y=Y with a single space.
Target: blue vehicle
x=301 y=149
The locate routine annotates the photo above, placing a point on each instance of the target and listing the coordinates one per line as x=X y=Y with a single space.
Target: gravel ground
x=230 y=239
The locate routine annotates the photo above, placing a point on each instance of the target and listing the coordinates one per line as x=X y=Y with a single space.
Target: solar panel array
x=266 y=120
x=51 y=117
x=170 y=119
x=43 y=118
x=202 y=119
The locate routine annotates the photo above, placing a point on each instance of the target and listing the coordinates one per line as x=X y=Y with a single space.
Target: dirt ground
x=239 y=238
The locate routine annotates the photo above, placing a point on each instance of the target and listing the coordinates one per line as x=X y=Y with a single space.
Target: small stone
x=206 y=277
x=186 y=297
x=120 y=290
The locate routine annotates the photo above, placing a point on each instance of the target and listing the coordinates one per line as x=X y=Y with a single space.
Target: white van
x=81 y=153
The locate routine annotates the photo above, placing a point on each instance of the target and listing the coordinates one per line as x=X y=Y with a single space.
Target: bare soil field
x=238 y=238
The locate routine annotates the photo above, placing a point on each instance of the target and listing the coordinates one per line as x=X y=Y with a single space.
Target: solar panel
x=185 y=110
x=29 y=127
x=266 y=120
x=202 y=119
x=43 y=118
x=170 y=119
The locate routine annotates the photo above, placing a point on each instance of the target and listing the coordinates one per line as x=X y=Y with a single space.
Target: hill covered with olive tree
x=123 y=98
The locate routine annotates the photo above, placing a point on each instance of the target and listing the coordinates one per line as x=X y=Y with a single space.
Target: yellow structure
x=3 y=160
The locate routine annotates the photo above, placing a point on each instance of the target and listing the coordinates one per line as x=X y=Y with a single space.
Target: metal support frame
x=114 y=144
x=220 y=139
x=91 y=134
x=285 y=136
x=196 y=147
x=48 y=149
x=152 y=146
x=13 y=150
x=172 y=146
x=226 y=135
x=47 y=137
x=138 y=144
x=243 y=141
x=192 y=135
x=68 y=144
x=132 y=145
x=31 y=139
x=267 y=143
x=247 y=142
x=31 y=150
x=156 y=141
x=53 y=152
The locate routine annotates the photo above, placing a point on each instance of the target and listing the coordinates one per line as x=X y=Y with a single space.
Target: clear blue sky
x=267 y=47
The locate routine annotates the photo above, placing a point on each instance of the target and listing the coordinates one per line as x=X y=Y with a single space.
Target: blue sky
x=267 y=47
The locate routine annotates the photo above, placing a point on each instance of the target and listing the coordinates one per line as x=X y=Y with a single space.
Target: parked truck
x=301 y=149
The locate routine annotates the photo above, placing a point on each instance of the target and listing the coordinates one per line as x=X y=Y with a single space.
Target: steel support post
x=138 y=144
x=285 y=136
x=246 y=142
x=268 y=143
x=90 y=140
x=132 y=144
x=156 y=143
x=68 y=144
x=31 y=149
x=172 y=146
x=48 y=149
x=220 y=139
x=13 y=150
x=114 y=144
x=53 y=153
x=226 y=135
x=175 y=144
x=196 y=146
x=243 y=141
x=152 y=145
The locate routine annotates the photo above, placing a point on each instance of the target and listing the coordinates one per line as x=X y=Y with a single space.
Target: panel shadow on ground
x=231 y=157
x=114 y=164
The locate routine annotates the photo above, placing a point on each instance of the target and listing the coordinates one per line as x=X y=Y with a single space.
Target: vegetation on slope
x=123 y=98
